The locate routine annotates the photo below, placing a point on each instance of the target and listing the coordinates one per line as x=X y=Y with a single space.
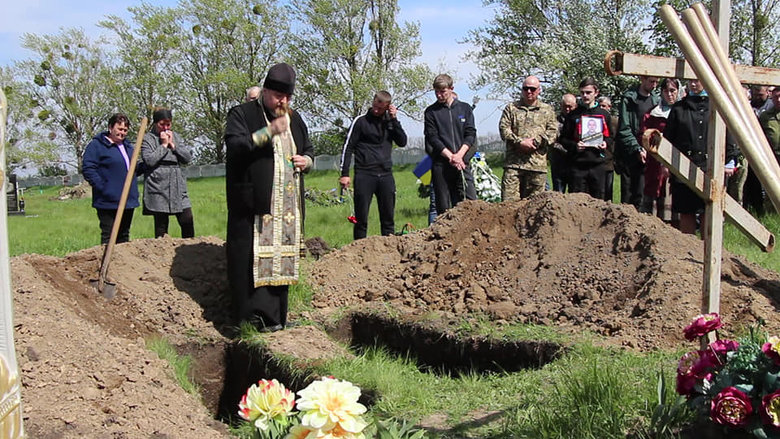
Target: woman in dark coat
x=165 y=186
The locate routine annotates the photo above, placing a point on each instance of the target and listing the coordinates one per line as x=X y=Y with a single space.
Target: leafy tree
x=560 y=42
x=24 y=146
x=754 y=36
x=754 y=31
x=346 y=50
x=72 y=92
x=148 y=68
x=226 y=46
x=330 y=141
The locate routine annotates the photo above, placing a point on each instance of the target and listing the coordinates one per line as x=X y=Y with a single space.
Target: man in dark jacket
x=105 y=165
x=629 y=155
x=587 y=153
x=686 y=129
x=450 y=134
x=370 y=140
x=268 y=148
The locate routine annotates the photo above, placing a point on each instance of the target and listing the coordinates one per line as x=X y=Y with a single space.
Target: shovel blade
x=108 y=289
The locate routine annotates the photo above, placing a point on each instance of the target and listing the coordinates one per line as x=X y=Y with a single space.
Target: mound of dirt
x=569 y=261
x=564 y=260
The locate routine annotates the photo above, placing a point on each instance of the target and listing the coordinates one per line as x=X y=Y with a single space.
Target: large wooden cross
x=709 y=186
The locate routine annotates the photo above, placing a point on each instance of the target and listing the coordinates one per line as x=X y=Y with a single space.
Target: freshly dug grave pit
x=564 y=260
x=567 y=261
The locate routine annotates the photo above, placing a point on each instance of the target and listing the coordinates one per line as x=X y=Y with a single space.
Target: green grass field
x=590 y=392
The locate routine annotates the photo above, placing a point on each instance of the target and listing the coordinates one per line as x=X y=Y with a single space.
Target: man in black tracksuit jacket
x=370 y=140
x=450 y=134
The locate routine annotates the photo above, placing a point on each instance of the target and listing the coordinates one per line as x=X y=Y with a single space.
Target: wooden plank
x=649 y=65
x=693 y=177
x=712 y=232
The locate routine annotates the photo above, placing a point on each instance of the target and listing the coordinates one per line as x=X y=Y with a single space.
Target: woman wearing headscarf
x=165 y=186
x=656 y=174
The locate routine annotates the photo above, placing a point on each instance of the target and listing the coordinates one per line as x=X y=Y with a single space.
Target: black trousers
x=451 y=185
x=106 y=218
x=753 y=193
x=263 y=306
x=609 y=181
x=589 y=179
x=184 y=218
x=636 y=184
x=366 y=186
x=559 y=171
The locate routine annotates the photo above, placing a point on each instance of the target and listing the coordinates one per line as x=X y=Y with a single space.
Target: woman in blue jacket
x=105 y=164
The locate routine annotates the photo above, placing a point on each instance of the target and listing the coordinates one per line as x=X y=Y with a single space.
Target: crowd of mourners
x=583 y=145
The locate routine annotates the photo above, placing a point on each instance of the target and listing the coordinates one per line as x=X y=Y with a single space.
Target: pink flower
x=694 y=367
x=770 y=410
x=721 y=347
x=731 y=407
x=772 y=349
x=701 y=325
x=352 y=219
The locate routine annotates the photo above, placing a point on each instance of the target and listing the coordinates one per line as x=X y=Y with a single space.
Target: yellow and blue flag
x=423 y=170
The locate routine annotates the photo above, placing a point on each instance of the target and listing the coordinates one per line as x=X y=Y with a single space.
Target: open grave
x=570 y=261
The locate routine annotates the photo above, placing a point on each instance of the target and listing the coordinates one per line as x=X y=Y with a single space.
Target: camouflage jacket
x=518 y=122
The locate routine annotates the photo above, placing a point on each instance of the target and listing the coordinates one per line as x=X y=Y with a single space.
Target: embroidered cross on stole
x=278 y=239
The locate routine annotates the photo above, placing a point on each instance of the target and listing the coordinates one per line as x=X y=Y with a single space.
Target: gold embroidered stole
x=278 y=241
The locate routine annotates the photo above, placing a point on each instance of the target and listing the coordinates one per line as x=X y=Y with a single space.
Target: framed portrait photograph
x=592 y=131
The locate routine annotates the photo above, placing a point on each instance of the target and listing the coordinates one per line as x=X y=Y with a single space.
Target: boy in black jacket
x=450 y=134
x=587 y=150
x=370 y=140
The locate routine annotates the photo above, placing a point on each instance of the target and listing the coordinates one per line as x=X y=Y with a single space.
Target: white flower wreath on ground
x=485 y=181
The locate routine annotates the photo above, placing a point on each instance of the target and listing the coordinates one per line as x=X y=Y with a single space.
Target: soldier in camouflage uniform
x=529 y=128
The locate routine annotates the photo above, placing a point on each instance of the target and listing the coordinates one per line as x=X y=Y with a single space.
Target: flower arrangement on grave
x=485 y=181
x=326 y=408
x=733 y=384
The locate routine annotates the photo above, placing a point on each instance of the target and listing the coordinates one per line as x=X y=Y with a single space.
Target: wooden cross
x=709 y=186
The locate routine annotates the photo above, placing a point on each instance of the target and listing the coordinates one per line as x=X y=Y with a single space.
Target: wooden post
x=714 y=186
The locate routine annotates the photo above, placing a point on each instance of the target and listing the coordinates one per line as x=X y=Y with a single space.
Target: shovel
x=103 y=285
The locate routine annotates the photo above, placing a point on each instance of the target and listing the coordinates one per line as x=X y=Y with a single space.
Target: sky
x=442 y=24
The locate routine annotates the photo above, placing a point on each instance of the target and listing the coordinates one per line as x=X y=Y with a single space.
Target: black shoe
x=273 y=328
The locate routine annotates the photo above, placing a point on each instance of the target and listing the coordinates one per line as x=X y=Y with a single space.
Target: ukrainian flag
x=423 y=170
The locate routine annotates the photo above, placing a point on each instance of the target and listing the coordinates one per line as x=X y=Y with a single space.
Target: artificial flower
x=731 y=407
x=702 y=325
x=266 y=401
x=770 y=410
x=693 y=368
x=772 y=349
x=721 y=347
x=328 y=403
x=301 y=432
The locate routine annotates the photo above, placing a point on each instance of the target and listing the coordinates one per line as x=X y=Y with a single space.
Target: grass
x=180 y=364
x=589 y=392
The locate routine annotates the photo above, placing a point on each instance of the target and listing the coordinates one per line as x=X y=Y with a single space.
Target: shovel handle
x=120 y=210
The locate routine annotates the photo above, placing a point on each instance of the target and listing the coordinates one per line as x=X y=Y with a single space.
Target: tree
x=226 y=46
x=560 y=42
x=24 y=145
x=754 y=31
x=148 y=67
x=348 y=49
x=71 y=89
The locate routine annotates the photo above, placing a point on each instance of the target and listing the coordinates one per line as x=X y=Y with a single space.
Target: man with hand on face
x=450 y=134
x=268 y=149
x=528 y=126
x=370 y=140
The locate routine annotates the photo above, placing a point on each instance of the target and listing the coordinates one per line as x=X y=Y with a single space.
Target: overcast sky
x=442 y=25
